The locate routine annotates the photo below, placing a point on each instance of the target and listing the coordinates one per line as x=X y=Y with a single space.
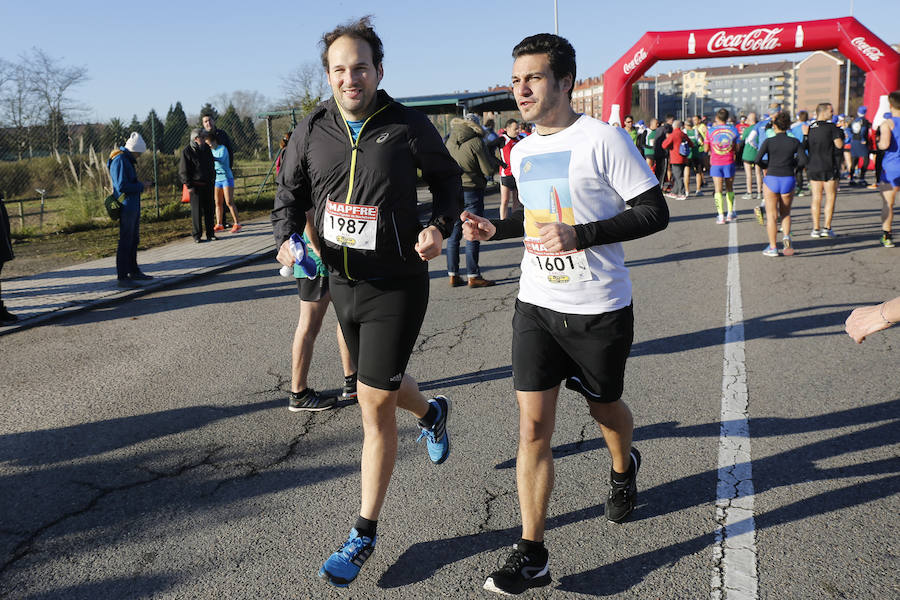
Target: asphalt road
x=146 y=450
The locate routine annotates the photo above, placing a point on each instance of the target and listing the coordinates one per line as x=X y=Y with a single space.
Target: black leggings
x=381 y=320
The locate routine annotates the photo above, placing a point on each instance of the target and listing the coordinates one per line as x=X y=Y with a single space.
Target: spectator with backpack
x=122 y=167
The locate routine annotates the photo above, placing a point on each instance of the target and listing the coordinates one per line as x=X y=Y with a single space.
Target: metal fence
x=53 y=178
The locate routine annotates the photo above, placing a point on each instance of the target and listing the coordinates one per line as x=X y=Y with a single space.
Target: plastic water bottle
x=302 y=259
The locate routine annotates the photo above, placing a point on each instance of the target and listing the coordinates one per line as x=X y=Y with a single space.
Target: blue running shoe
x=436 y=437
x=343 y=566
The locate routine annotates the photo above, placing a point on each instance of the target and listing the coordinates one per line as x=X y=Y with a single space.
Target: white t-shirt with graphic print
x=581 y=174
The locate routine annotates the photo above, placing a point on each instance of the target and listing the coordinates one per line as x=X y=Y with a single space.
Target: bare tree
x=305 y=86
x=19 y=107
x=247 y=103
x=51 y=82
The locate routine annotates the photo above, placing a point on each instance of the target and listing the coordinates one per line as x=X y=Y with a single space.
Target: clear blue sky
x=143 y=55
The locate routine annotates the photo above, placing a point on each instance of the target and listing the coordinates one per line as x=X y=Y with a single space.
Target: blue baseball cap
x=862 y=110
x=641 y=122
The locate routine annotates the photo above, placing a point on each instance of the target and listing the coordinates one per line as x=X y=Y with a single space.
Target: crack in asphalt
x=488 y=503
x=24 y=547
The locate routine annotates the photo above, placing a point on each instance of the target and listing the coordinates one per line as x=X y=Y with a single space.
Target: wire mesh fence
x=53 y=178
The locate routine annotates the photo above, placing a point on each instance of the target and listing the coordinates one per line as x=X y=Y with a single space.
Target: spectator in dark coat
x=468 y=150
x=6 y=255
x=197 y=171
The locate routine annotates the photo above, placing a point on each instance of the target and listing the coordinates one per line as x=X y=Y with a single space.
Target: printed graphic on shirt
x=544 y=190
x=722 y=140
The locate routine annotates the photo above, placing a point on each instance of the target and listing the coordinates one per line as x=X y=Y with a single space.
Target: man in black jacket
x=208 y=119
x=198 y=172
x=353 y=162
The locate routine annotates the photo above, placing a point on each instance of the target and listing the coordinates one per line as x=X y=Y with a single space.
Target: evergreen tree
x=250 y=137
x=230 y=123
x=153 y=127
x=176 y=131
x=135 y=126
x=114 y=135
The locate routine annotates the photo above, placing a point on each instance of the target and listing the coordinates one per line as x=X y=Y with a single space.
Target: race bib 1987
x=350 y=225
x=555 y=267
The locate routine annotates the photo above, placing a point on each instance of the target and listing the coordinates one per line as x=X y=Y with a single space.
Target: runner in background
x=509 y=195
x=820 y=143
x=784 y=154
x=890 y=168
x=750 y=143
x=722 y=139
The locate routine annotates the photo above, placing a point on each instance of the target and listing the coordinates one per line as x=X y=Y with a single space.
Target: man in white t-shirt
x=573 y=320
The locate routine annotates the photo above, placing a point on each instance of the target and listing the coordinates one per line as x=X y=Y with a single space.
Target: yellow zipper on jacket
x=354 y=146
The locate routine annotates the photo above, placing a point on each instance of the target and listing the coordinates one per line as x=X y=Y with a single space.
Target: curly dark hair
x=559 y=52
x=782 y=121
x=360 y=29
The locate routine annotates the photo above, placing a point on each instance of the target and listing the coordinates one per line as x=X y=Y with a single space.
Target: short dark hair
x=722 y=114
x=670 y=117
x=894 y=99
x=510 y=122
x=559 y=51
x=822 y=107
x=804 y=116
x=208 y=111
x=628 y=117
x=782 y=121
x=360 y=29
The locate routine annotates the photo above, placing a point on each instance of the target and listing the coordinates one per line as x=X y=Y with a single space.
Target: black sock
x=350 y=378
x=430 y=417
x=301 y=393
x=623 y=477
x=365 y=527
x=531 y=547
x=886 y=234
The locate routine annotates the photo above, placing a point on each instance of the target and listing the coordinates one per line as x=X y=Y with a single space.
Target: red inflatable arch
x=849 y=36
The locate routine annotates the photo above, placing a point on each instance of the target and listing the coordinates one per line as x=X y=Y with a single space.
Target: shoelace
x=352 y=547
x=426 y=433
x=515 y=562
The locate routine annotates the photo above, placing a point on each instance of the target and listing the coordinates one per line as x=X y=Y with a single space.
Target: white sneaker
x=720 y=220
x=815 y=233
x=827 y=233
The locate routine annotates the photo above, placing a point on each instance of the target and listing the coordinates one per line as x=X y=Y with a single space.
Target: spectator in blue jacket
x=122 y=170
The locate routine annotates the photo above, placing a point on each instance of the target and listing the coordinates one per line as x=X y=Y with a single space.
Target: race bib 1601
x=555 y=267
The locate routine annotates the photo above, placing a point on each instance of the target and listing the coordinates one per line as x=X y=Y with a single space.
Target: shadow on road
x=791 y=467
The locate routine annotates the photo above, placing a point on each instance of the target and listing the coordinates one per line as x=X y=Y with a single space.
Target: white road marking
x=734 y=573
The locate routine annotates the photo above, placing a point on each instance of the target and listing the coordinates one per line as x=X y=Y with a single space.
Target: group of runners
x=347 y=178
x=776 y=151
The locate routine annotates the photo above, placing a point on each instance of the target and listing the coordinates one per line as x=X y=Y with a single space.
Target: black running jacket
x=321 y=162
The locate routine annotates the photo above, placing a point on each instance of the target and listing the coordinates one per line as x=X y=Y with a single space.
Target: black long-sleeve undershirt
x=649 y=213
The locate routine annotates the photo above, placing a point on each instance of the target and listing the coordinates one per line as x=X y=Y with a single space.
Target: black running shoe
x=348 y=392
x=309 y=400
x=521 y=572
x=623 y=496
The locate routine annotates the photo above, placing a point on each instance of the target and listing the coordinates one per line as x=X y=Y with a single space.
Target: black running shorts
x=381 y=320
x=312 y=290
x=508 y=181
x=587 y=351
x=822 y=174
